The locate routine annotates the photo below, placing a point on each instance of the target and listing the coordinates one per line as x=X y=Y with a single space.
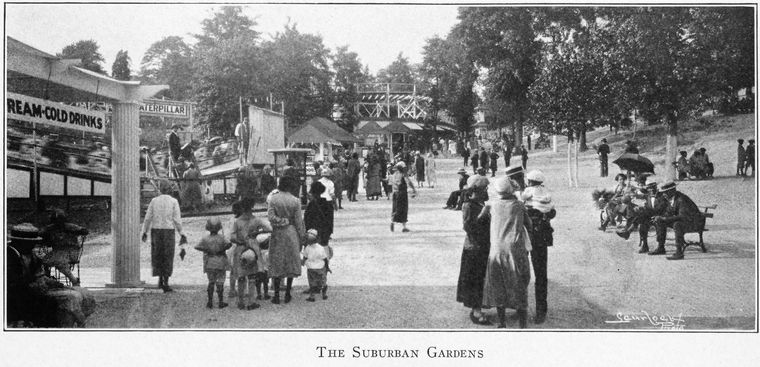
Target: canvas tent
x=322 y=132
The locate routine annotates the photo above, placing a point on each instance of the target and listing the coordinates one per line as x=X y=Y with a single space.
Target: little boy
x=262 y=275
x=317 y=265
x=215 y=262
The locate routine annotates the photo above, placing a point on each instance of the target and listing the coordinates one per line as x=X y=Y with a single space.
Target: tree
x=225 y=25
x=348 y=73
x=88 y=52
x=298 y=72
x=120 y=68
x=231 y=70
x=169 y=61
x=399 y=71
x=503 y=41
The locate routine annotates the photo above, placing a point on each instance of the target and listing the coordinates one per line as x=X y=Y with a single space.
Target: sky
x=377 y=33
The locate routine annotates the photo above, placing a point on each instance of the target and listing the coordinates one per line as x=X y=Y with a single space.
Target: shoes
x=677 y=256
x=602 y=228
x=391 y=227
x=623 y=234
x=209 y=305
x=660 y=250
x=405 y=230
x=482 y=320
x=306 y=291
x=502 y=326
x=253 y=306
x=310 y=299
x=288 y=298
x=644 y=249
x=266 y=296
x=168 y=289
x=223 y=304
x=258 y=298
x=540 y=318
x=324 y=296
x=241 y=306
x=276 y=300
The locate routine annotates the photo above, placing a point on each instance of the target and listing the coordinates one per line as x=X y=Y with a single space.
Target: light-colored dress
x=288 y=231
x=430 y=170
x=508 y=270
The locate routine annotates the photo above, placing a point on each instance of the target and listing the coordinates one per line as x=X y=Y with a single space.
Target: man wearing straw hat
x=681 y=214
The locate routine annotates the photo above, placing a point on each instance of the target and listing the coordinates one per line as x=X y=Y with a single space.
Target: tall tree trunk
x=671 y=147
x=582 y=138
x=575 y=174
x=518 y=132
x=554 y=143
x=569 y=159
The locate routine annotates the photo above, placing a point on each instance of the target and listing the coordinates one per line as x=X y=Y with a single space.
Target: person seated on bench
x=641 y=216
x=619 y=192
x=681 y=214
x=63 y=238
x=34 y=299
x=456 y=198
x=683 y=166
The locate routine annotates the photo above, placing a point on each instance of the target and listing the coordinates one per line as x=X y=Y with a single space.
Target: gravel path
x=384 y=280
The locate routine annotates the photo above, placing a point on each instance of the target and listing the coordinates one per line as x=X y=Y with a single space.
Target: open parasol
x=634 y=162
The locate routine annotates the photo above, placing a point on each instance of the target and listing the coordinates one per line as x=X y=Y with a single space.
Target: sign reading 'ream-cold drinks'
x=24 y=108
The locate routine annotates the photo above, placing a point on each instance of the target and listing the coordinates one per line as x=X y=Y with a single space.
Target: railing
x=392 y=88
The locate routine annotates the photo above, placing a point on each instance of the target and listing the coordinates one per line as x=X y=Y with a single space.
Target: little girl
x=262 y=276
x=215 y=262
x=316 y=261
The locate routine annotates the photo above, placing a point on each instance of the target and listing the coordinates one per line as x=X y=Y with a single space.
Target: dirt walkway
x=408 y=280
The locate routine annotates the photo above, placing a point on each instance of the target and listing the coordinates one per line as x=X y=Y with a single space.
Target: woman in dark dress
x=477 y=243
x=419 y=166
x=401 y=183
x=315 y=215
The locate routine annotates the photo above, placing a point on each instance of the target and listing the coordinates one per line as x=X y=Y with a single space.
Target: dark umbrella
x=634 y=162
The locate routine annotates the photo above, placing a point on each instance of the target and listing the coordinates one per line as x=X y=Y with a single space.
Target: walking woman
x=162 y=218
x=288 y=233
x=430 y=170
x=419 y=168
x=508 y=270
x=401 y=183
x=373 y=178
x=477 y=242
x=191 y=193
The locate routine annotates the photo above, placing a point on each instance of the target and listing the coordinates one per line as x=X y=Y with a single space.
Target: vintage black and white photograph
x=532 y=168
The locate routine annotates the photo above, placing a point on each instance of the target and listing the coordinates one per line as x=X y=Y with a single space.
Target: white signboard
x=35 y=110
x=165 y=108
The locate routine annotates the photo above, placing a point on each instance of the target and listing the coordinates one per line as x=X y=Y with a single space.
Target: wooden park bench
x=706 y=213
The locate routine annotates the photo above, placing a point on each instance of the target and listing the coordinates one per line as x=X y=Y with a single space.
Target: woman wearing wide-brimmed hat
x=401 y=183
x=162 y=219
x=508 y=271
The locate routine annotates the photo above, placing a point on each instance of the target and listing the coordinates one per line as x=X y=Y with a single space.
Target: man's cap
x=461 y=171
x=512 y=170
x=670 y=185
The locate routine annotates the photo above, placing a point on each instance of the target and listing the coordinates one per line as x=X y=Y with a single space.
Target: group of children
x=250 y=261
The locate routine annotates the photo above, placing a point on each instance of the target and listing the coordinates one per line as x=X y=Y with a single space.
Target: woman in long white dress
x=430 y=169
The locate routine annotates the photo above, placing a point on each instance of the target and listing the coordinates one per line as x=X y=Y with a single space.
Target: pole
x=240 y=103
x=271 y=102
x=34 y=159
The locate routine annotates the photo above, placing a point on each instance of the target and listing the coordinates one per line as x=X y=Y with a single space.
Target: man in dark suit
x=641 y=216
x=681 y=214
x=174 y=144
x=483 y=158
x=603 y=151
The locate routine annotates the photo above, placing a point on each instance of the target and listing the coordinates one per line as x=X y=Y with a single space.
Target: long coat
x=508 y=271
x=477 y=242
x=288 y=232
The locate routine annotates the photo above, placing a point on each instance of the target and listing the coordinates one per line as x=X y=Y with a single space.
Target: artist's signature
x=661 y=322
